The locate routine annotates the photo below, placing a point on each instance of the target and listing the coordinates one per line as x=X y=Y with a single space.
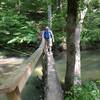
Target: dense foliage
x=88 y=91
x=91 y=29
x=16 y=28
x=20 y=21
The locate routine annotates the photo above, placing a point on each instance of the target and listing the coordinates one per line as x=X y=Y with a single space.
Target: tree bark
x=58 y=5
x=50 y=16
x=18 y=6
x=77 y=72
x=72 y=44
x=73 y=70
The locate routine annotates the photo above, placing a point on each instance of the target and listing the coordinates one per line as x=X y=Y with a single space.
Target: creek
x=90 y=65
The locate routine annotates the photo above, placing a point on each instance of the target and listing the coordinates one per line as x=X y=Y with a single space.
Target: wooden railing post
x=44 y=67
x=14 y=95
x=44 y=71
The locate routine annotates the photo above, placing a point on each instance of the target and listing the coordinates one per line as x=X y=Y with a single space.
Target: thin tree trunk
x=50 y=16
x=77 y=72
x=18 y=6
x=58 y=5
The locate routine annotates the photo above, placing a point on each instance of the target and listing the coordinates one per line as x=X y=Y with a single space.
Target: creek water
x=90 y=65
x=90 y=61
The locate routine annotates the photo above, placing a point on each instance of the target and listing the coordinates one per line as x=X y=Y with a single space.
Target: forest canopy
x=21 y=21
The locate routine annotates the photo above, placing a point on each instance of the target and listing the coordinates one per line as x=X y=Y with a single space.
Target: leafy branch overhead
x=21 y=20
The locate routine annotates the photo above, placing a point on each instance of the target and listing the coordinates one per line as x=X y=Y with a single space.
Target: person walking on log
x=49 y=39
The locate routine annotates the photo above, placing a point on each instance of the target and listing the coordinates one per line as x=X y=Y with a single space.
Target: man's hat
x=47 y=27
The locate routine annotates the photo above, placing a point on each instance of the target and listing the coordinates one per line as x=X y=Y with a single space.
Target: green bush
x=91 y=30
x=88 y=91
x=16 y=28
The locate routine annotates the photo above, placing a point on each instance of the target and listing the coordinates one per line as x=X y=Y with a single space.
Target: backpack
x=47 y=34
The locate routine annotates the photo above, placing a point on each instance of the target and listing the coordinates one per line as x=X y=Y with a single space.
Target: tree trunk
x=73 y=70
x=72 y=43
x=50 y=16
x=18 y=6
x=77 y=72
x=58 y=5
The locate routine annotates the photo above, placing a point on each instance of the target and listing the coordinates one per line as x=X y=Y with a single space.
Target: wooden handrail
x=17 y=79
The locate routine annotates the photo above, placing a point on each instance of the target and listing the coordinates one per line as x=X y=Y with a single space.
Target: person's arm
x=52 y=36
x=42 y=33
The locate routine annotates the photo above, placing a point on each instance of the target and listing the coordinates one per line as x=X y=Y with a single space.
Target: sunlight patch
x=38 y=71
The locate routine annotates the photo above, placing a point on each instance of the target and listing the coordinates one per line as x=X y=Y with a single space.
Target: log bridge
x=13 y=81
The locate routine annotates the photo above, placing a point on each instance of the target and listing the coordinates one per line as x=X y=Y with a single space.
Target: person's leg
x=46 y=46
x=50 y=45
